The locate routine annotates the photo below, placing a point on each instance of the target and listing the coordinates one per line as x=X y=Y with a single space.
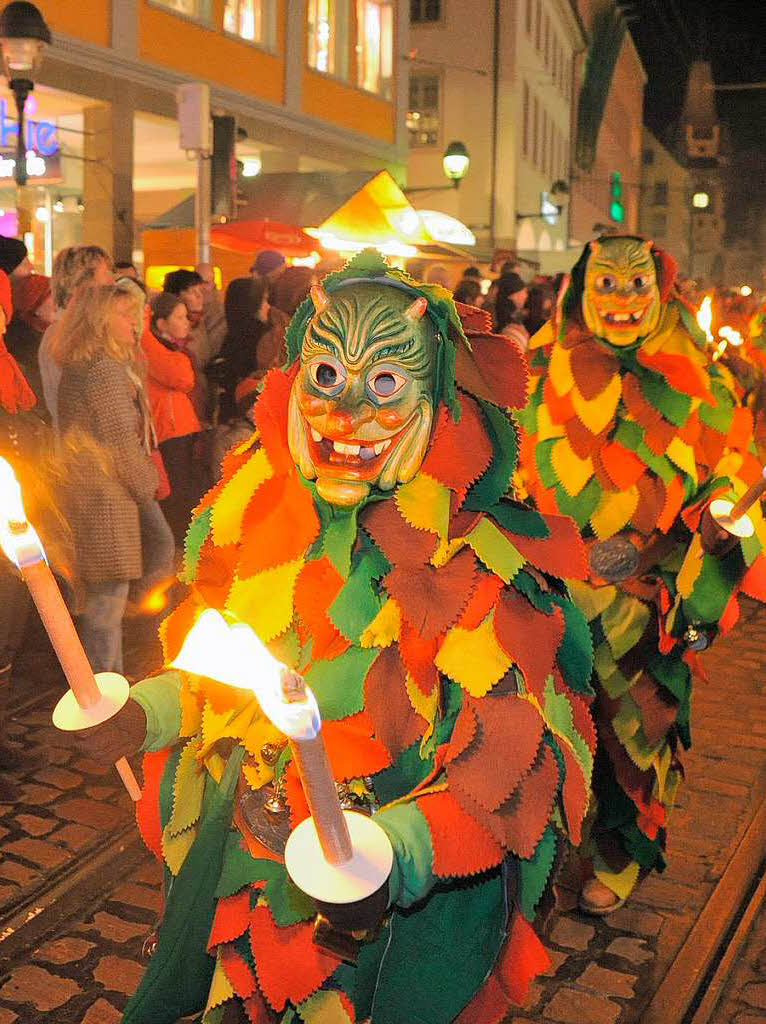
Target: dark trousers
x=186 y=475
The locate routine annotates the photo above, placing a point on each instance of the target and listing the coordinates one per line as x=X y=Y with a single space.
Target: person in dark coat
x=33 y=313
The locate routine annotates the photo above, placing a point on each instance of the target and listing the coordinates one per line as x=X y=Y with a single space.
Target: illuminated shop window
x=198 y=9
x=254 y=20
x=375 y=34
x=423 y=111
x=425 y=10
x=328 y=36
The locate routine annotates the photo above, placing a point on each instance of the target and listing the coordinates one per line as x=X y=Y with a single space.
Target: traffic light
x=616 y=209
x=224 y=169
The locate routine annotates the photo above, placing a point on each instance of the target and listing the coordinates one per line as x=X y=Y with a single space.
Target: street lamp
x=23 y=39
x=701 y=200
x=455 y=162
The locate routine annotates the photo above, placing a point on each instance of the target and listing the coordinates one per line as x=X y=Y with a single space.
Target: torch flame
x=18 y=538
x=705 y=316
x=234 y=655
x=732 y=337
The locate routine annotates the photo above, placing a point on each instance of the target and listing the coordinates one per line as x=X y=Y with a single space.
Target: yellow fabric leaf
x=691 y=568
x=546 y=428
x=494 y=549
x=175 y=848
x=257 y=775
x=446 y=550
x=188 y=787
x=597 y=413
x=191 y=712
x=591 y=601
x=560 y=370
x=243 y=446
x=614 y=510
x=545 y=336
x=424 y=503
x=622 y=883
x=229 y=507
x=215 y=765
x=384 y=628
x=572 y=472
x=425 y=705
x=682 y=455
x=265 y=601
x=323 y=1007
x=261 y=731
x=473 y=658
x=220 y=987
x=213 y=726
x=661 y=336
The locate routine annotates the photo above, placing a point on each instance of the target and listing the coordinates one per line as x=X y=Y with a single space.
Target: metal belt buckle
x=614 y=560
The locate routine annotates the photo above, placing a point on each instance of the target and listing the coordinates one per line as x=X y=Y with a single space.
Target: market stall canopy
x=251 y=235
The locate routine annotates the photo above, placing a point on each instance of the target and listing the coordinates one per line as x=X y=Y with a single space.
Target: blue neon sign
x=40 y=136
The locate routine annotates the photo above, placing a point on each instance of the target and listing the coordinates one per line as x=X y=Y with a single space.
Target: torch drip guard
x=357 y=878
x=115 y=691
x=720 y=510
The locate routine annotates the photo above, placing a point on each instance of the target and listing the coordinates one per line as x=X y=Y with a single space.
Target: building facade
x=313 y=85
x=496 y=75
x=665 y=208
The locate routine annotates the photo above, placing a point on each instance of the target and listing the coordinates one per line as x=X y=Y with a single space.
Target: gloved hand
x=120 y=736
x=715 y=540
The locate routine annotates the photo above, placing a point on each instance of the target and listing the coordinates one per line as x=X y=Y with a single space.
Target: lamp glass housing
x=21 y=57
x=701 y=200
x=455 y=161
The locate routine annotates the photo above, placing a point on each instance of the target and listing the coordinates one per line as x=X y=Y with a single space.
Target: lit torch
x=336 y=856
x=90 y=700
x=733 y=517
x=705 y=317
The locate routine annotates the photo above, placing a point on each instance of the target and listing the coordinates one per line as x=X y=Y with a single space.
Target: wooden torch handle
x=748 y=499
x=322 y=797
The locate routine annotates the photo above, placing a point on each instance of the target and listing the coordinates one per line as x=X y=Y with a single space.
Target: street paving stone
x=603 y=971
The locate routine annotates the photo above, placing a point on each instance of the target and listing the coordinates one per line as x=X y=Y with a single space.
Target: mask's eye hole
x=641 y=282
x=385 y=383
x=327 y=375
x=606 y=283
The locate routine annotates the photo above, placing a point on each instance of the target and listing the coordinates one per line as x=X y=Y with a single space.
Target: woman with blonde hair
x=103 y=424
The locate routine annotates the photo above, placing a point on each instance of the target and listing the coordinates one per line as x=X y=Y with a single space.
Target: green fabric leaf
x=240 y=868
x=712 y=588
x=530 y=588
x=495 y=483
x=338 y=536
x=288 y=904
x=177 y=979
x=558 y=715
x=629 y=434
x=519 y=519
x=543 y=463
x=188 y=789
x=534 y=873
x=431 y=962
x=673 y=405
x=412 y=875
x=692 y=327
x=338 y=684
x=575 y=655
x=672 y=673
x=648 y=852
x=495 y=550
x=358 y=602
x=624 y=623
x=583 y=506
x=196 y=535
x=719 y=417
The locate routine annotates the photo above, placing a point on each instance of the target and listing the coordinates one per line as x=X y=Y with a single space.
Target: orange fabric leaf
x=623 y=466
x=238 y=972
x=317 y=586
x=148 y=807
x=460 y=845
x=460 y=452
x=730 y=615
x=528 y=636
x=296 y=797
x=659 y=435
x=690 y=431
x=288 y=964
x=279 y=525
x=395 y=722
x=582 y=717
x=741 y=428
x=583 y=443
x=561 y=554
x=494 y=369
x=232 y=918
x=674 y=499
x=431 y=599
x=559 y=406
x=418 y=656
x=680 y=373
x=483 y=600
x=270 y=418
x=463 y=732
x=352 y=750
x=174 y=628
x=642 y=411
x=651 y=498
x=215 y=573
x=754 y=581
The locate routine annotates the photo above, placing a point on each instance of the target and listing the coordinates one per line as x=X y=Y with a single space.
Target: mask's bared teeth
x=316 y=435
x=367 y=454
x=346 y=449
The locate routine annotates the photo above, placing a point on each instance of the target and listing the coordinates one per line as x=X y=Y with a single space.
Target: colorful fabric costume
x=632 y=433
x=425 y=610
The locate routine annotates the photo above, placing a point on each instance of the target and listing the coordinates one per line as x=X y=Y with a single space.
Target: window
x=525 y=120
x=328 y=36
x=647 y=157
x=538 y=25
x=199 y=9
x=252 y=19
x=660 y=193
x=536 y=132
x=547 y=40
x=375 y=46
x=528 y=18
x=425 y=10
x=544 y=162
x=555 y=57
x=423 y=112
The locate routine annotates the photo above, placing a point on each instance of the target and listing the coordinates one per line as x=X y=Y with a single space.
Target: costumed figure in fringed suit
x=631 y=432
x=365 y=534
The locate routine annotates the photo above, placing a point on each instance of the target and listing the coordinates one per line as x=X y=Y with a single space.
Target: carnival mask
x=361 y=405
x=621 y=297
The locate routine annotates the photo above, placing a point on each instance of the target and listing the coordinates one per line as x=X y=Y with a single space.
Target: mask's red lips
x=624 y=321
x=359 y=459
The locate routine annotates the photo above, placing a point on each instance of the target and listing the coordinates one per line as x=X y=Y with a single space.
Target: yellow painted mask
x=621 y=297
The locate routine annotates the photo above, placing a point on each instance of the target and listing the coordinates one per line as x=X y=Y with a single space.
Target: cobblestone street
x=78 y=894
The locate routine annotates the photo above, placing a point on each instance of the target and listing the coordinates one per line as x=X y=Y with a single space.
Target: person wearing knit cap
x=33 y=313
x=14 y=258
x=269 y=264
x=16 y=399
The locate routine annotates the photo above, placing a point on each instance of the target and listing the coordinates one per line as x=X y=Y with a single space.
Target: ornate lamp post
x=23 y=39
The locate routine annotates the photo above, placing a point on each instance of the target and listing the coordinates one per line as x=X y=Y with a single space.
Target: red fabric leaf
x=494 y=369
x=395 y=722
x=583 y=443
x=232 y=917
x=256 y=1009
x=667 y=268
x=474 y=319
x=463 y=732
x=524 y=817
x=418 y=656
x=623 y=466
x=593 y=368
x=148 y=807
x=674 y=499
x=352 y=750
x=730 y=615
x=288 y=964
x=296 y=797
x=574 y=795
x=460 y=452
x=651 y=498
x=401 y=543
x=483 y=600
x=316 y=588
x=215 y=573
x=754 y=581
x=460 y=845
x=560 y=554
x=509 y=734
x=559 y=406
x=680 y=373
x=431 y=599
x=238 y=972
x=528 y=636
x=659 y=435
x=582 y=717
x=279 y=525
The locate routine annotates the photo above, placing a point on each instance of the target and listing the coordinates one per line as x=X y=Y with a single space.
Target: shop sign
x=40 y=170
x=40 y=136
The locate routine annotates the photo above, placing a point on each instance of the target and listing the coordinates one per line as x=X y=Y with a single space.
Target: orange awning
x=250 y=236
